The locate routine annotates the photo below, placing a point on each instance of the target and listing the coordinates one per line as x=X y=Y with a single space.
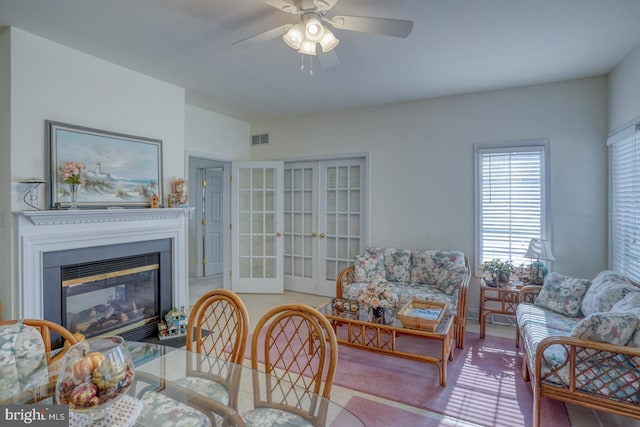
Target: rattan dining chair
x=217 y=333
x=299 y=352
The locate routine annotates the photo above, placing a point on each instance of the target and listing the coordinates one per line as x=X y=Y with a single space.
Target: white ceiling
x=457 y=46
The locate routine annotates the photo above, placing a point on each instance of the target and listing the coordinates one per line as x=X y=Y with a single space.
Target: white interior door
x=257 y=223
x=342 y=222
x=301 y=226
x=212 y=225
x=325 y=224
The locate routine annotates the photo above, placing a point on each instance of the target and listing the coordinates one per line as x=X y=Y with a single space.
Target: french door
x=256 y=228
x=324 y=222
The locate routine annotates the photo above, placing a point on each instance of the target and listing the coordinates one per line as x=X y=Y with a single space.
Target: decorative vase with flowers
x=71 y=176
x=379 y=295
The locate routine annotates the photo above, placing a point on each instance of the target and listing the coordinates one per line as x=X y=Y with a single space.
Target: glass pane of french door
x=298 y=220
x=257 y=212
x=342 y=217
x=300 y=226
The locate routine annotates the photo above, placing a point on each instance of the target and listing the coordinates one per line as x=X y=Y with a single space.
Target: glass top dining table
x=170 y=374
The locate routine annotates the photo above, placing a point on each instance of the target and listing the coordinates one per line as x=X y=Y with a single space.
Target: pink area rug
x=484 y=382
x=376 y=414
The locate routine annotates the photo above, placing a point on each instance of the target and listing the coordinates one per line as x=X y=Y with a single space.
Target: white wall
x=51 y=81
x=215 y=135
x=422 y=164
x=624 y=92
x=5 y=166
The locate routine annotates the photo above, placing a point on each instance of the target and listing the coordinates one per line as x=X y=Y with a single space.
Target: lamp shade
x=539 y=249
x=307 y=47
x=294 y=36
x=328 y=41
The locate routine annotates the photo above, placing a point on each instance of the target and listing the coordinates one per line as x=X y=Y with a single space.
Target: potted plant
x=499 y=271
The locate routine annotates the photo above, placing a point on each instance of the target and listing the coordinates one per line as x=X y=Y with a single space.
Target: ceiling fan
x=309 y=31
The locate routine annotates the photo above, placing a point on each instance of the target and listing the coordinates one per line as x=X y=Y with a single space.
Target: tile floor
x=258 y=304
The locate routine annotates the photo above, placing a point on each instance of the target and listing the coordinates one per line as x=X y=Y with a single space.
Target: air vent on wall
x=260 y=139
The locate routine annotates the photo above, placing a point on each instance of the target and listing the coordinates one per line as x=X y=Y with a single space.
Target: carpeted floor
x=484 y=382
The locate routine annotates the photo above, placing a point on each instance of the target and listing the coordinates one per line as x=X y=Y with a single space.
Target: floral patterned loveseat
x=438 y=275
x=581 y=342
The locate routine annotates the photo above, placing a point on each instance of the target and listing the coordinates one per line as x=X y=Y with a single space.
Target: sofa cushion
x=397 y=264
x=612 y=328
x=530 y=313
x=606 y=289
x=406 y=292
x=368 y=267
x=630 y=304
x=562 y=294
x=444 y=269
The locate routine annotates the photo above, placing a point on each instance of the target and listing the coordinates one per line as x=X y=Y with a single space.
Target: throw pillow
x=630 y=304
x=613 y=328
x=397 y=264
x=606 y=289
x=368 y=268
x=562 y=294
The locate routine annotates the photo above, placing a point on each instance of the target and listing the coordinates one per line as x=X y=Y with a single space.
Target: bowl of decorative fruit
x=94 y=374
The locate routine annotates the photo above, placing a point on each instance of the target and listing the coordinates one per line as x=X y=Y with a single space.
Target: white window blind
x=624 y=181
x=511 y=201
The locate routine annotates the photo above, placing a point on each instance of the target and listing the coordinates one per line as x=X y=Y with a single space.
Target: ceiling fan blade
x=328 y=59
x=283 y=5
x=364 y=24
x=324 y=5
x=263 y=37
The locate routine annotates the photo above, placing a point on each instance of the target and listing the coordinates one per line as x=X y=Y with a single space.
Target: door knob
x=314 y=234
x=278 y=234
x=322 y=235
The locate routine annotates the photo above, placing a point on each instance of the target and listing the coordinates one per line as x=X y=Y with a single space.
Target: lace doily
x=122 y=413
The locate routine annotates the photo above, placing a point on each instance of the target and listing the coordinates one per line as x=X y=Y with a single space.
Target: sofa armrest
x=345 y=278
x=595 y=368
x=528 y=293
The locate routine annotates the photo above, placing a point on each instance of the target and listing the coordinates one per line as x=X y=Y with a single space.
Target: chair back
x=219 y=326
x=45 y=328
x=25 y=354
x=299 y=350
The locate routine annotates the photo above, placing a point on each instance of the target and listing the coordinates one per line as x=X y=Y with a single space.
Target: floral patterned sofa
x=581 y=342
x=438 y=275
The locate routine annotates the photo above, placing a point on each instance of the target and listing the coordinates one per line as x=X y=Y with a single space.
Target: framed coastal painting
x=101 y=169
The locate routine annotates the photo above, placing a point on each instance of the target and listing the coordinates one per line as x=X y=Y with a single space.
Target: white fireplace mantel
x=45 y=231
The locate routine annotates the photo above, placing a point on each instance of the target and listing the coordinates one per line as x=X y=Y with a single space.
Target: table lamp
x=539 y=250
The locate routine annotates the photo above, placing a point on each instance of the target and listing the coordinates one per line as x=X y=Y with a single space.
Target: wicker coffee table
x=365 y=333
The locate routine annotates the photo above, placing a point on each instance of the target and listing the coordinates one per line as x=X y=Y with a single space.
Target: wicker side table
x=499 y=300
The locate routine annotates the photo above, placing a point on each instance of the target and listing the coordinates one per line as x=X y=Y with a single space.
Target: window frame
x=627 y=262
x=543 y=145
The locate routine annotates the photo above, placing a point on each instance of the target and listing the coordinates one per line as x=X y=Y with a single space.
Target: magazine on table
x=425 y=313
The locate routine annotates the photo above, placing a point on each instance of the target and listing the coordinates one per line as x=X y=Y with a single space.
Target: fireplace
x=119 y=289
x=86 y=242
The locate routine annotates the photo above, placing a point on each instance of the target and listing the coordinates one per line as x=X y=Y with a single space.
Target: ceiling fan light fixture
x=294 y=36
x=313 y=28
x=328 y=41
x=308 y=47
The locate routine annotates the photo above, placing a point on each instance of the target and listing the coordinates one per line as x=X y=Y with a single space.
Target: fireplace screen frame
x=55 y=261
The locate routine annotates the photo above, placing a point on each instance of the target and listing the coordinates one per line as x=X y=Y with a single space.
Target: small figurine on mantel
x=180 y=190
x=155 y=201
